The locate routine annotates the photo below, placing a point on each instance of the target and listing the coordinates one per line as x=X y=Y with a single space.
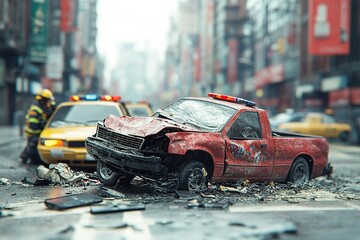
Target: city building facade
x=45 y=44
x=284 y=54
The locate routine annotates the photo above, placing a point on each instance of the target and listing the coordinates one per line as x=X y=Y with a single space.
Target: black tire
x=107 y=176
x=193 y=176
x=344 y=136
x=299 y=172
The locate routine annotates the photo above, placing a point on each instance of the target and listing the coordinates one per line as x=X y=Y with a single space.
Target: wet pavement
x=325 y=208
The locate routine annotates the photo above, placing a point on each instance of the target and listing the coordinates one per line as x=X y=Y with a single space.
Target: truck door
x=249 y=151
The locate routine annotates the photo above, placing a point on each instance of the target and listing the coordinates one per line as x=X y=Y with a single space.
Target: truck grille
x=120 y=139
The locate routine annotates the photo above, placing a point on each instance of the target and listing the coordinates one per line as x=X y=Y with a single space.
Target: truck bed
x=290 y=134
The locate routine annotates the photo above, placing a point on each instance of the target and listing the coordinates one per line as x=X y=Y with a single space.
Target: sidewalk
x=10 y=133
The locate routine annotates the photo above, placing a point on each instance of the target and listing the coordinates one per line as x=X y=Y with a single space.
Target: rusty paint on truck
x=234 y=141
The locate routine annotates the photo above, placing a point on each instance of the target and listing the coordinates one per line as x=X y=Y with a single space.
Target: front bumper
x=123 y=159
x=76 y=157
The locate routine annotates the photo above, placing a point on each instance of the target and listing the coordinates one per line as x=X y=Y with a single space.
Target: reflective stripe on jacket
x=35 y=120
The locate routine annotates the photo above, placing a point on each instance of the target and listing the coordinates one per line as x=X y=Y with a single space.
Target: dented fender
x=212 y=143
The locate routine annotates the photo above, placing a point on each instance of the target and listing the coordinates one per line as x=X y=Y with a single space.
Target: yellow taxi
x=63 y=138
x=319 y=124
x=141 y=109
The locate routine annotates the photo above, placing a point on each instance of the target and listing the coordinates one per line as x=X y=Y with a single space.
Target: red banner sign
x=329 y=27
x=68 y=15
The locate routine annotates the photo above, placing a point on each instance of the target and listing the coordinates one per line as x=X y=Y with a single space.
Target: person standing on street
x=35 y=120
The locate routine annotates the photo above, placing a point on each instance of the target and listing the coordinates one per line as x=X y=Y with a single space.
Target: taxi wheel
x=107 y=176
x=299 y=172
x=193 y=176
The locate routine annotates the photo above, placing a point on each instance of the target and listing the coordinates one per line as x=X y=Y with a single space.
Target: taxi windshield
x=82 y=115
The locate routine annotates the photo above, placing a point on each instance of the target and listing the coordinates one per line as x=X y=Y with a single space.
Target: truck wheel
x=107 y=176
x=344 y=136
x=193 y=176
x=299 y=172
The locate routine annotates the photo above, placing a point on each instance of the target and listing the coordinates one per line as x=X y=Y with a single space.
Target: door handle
x=263 y=145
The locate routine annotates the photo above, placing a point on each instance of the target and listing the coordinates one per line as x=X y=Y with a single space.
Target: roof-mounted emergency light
x=232 y=99
x=94 y=97
x=110 y=98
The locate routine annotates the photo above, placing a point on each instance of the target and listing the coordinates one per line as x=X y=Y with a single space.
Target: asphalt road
x=326 y=209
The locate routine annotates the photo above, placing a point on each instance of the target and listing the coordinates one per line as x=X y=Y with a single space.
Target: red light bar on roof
x=94 y=97
x=232 y=99
x=75 y=98
x=110 y=98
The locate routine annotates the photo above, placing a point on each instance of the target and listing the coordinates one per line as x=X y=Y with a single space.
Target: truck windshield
x=204 y=115
x=82 y=115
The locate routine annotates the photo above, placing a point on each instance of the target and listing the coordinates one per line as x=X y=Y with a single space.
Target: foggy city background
x=287 y=54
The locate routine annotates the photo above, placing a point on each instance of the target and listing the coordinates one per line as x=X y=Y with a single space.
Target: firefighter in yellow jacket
x=35 y=120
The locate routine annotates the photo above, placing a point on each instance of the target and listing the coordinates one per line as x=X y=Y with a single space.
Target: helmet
x=44 y=94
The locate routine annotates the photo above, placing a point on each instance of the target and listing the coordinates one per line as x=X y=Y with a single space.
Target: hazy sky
x=137 y=21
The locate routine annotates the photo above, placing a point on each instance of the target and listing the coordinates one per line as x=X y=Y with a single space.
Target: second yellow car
x=319 y=124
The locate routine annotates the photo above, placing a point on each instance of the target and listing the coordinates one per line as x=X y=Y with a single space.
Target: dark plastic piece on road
x=273 y=230
x=166 y=187
x=182 y=194
x=72 y=201
x=208 y=205
x=37 y=182
x=108 y=192
x=116 y=208
x=6 y=214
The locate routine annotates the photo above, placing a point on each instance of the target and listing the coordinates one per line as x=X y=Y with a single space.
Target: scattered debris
x=72 y=201
x=5 y=181
x=106 y=224
x=164 y=222
x=207 y=195
x=271 y=230
x=111 y=208
x=198 y=204
x=36 y=182
x=187 y=195
x=165 y=187
x=59 y=173
x=108 y=192
x=5 y=214
x=232 y=189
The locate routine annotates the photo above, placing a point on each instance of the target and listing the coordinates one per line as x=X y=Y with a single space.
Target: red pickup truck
x=197 y=139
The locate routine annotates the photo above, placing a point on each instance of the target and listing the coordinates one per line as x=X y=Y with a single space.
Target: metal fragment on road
x=5 y=181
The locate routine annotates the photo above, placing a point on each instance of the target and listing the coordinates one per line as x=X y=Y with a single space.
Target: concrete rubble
x=59 y=174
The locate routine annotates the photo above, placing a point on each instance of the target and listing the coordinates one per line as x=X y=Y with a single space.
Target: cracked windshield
x=173 y=119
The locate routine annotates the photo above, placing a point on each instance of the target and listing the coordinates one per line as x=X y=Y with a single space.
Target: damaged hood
x=143 y=126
